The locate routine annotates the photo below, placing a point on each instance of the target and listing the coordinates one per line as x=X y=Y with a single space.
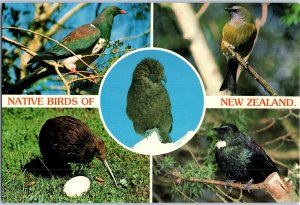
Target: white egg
x=76 y=186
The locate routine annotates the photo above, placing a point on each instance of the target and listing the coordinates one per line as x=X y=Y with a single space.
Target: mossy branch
x=250 y=69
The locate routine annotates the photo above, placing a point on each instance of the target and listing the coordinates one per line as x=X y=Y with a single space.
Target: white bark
x=204 y=59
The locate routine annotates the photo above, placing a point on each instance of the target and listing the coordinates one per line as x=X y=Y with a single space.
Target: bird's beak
x=109 y=170
x=220 y=131
x=123 y=12
x=229 y=10
x=216 y=129
x=164 y=79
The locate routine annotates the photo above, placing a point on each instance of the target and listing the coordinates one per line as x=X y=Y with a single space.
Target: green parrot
x=148 y=101
x=84 y=40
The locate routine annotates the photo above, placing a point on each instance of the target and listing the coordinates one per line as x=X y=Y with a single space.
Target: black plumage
x=240 y=158
x=66 y=139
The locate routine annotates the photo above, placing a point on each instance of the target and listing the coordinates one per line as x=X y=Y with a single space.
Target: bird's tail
x=43 y=56
x=230 y=77
x=165 y=138
x=39 y=73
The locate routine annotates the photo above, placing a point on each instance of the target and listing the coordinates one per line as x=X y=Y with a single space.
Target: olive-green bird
x=148 y=101
x=240 y=32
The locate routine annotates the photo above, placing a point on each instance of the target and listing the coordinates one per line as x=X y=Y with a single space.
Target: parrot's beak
x=164 y=79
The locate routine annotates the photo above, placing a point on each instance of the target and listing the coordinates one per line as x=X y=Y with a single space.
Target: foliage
x=294 y=175
x=292 y=15
x=20 y=132
x=197 y=158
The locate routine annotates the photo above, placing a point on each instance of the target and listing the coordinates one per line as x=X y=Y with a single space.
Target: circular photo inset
x=152 y=101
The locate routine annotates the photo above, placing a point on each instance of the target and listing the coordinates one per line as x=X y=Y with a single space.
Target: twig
x=183 y=194
x=222 y=198
x=278 y=138
x=84 y=78
x=129 y=38
x=63 y=19
x=22 y=47
x=264 y=14
x=280 y=163
x=190 y=151
x=250 y=70
x=63 y=79
x=266 y=127
x=202 y=10
x=228 y=196
x=291 y=113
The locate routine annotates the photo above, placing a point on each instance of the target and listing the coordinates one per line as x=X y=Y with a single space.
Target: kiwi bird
x=148 y=101
x=240 y=33
x=240 y=158
x=66 y=139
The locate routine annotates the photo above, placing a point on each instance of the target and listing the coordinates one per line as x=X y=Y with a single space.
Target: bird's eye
x=237 y=10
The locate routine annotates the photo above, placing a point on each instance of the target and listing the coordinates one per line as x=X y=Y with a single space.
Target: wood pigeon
x=85 y=40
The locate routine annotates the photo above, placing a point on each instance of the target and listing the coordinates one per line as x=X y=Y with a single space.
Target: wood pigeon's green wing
x=78 y=41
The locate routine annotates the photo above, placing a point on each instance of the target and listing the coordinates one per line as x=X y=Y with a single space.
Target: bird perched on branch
x=66 y=139
x=85 y=40
x=148 y=101
x=240 y=33
x=240 y=158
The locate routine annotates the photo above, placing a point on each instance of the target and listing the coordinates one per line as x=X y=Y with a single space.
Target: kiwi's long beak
x=109 y=170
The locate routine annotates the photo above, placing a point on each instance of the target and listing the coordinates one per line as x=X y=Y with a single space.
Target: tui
x=240 y=158
x=85 y=40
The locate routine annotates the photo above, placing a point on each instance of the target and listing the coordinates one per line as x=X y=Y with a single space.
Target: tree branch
x=202 y=10
x=22 y=47
x=216 y=182
x=63 y=19
x=278 y=138
x=63 y=79
x=250 y=70
x=204 y=59
x=129 y=38
x=273 y=184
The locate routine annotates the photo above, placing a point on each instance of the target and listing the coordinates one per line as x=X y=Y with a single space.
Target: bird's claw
x=228 y=45
x=93 y=78
x=71 y=67
x=247 y=186
x=150 y=131
x=228 y=187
